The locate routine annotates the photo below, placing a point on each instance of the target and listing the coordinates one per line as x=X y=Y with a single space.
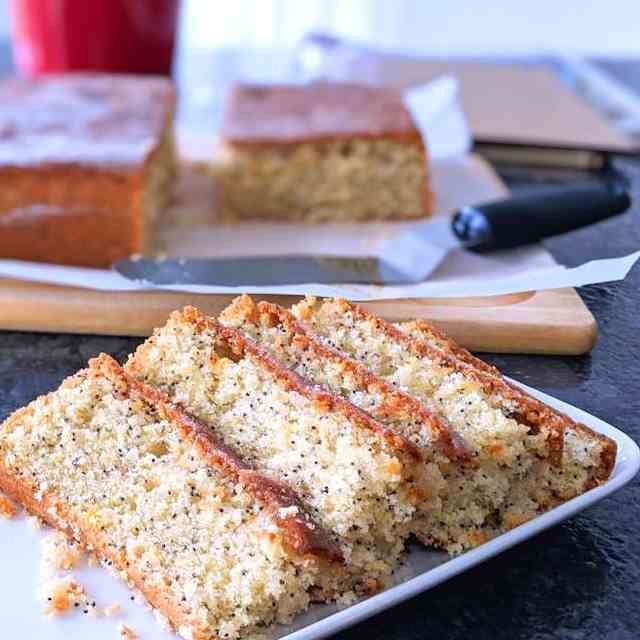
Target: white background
x=510 y=27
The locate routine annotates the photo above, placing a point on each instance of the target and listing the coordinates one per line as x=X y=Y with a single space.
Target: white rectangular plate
x=20 y=556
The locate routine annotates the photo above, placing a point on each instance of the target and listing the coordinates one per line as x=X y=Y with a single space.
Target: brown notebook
x=505 y=103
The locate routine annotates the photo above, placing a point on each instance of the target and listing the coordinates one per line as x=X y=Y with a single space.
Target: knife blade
x=260 y=270
x=410 y=256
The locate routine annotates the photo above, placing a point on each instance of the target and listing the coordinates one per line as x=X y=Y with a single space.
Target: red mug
x=126 y=36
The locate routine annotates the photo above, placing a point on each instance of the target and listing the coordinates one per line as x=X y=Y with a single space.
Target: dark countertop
x=578 y=580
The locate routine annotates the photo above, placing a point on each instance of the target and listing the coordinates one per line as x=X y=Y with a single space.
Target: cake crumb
x=7 y=508
x=127 y=633
x=112 y=610
x=61 y=594
x=35 y=523
x=60 y=552
x=286 y=512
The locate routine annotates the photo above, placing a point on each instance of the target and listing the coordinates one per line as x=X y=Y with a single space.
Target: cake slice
x=359 y=477
x=86 y=166
x=426 y=332
x=476 y=495
x=580 y=443
x=479 y=404
x=217 y=549
x=324 y=151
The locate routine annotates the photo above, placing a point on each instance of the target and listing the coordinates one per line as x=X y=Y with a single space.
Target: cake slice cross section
x=215 y=547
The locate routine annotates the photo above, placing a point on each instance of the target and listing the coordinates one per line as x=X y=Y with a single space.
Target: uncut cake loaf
x=219 y=550
x=86 y=166
x=324 y=151
x=475 y=496
x=472 y=397
x=360 y=478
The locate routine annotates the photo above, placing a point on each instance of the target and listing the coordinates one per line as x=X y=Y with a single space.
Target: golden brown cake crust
x=72 y=216
x=76 y=154
x=276 y=115
x=609 y=447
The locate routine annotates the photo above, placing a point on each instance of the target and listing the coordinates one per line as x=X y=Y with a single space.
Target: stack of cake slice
x=359 y=477
x=473 y=397
x=215 y=547
x=237 y=469
x=320 y=152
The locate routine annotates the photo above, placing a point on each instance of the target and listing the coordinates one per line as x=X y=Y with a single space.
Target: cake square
x=86 y=164
x=321 y=152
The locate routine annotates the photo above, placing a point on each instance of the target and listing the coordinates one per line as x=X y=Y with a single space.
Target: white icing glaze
x=93 y=120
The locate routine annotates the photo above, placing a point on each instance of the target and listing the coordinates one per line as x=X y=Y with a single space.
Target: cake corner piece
x=321 y=152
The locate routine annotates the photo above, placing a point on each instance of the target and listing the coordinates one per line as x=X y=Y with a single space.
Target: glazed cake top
x=317 y=112
x=91 y=120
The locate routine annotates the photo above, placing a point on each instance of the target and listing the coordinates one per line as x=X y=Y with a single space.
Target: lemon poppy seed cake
x=553 y=457
x=359 y=477
x=587 y=454
x=324 y=151
x=474 y=489
x=218 y=550
x=238 y=469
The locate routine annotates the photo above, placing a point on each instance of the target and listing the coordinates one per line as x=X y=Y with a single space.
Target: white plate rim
x=25 y=556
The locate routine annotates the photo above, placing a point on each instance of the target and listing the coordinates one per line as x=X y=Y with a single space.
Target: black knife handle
x=526 y=219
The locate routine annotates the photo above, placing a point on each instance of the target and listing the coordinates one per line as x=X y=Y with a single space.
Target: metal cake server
x=410 y=256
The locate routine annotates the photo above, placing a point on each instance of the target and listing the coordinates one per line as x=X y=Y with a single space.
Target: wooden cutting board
x=549 y=322
x=532 y=322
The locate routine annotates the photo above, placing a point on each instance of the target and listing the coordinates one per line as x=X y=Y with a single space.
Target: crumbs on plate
x=7 y=508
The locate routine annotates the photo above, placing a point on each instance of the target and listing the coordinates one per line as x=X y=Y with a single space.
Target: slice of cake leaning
x=476 y=496
x=359 y=477
x=551 y=456
x=590 y=449
x=216 y=548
